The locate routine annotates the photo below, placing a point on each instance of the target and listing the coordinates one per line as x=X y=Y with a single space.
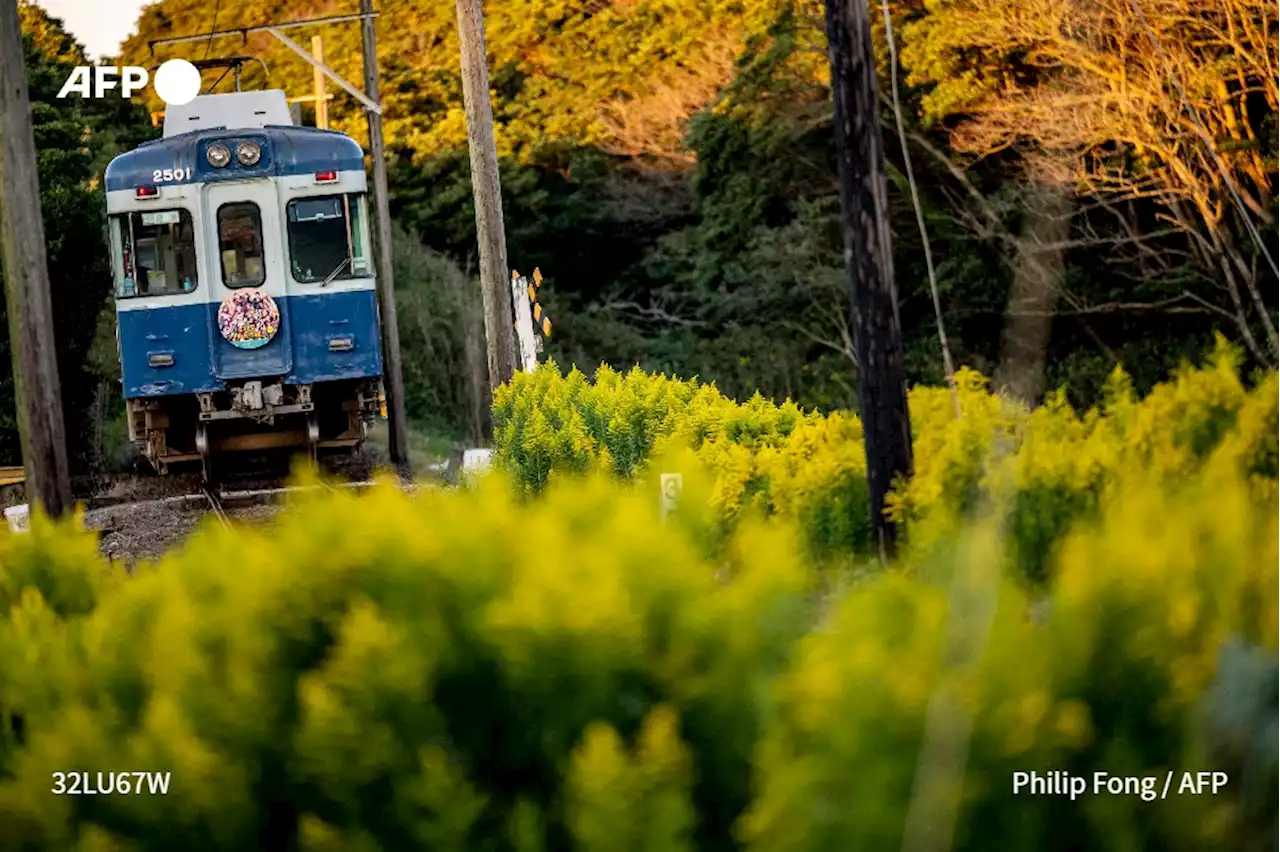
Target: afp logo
x=176 y=82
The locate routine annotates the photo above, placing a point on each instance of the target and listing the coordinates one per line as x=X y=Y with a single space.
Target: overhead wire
x=933 y=806
x=947 y=365
x=213 y=28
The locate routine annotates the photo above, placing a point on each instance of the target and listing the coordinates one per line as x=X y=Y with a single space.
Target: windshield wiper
x=334 y=274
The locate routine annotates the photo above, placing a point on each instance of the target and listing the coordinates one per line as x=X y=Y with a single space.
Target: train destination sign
x=163 y=217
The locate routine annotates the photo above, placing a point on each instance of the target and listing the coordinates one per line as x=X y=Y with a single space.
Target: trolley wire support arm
x=368 y=103
x=275 y=30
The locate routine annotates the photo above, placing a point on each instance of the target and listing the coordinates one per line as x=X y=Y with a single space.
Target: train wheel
x=202 y=447
x=313 y=436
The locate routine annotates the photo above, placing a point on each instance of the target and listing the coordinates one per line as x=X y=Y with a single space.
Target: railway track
x=215 y=503
x=216 y=496
x=255 y=479
x=141 y=515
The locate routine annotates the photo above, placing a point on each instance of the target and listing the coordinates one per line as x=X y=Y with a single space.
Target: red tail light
x=147 y=192
x=326 y=177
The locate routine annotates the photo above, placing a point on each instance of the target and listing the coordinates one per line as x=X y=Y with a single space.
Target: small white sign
x=671 y=486
x=163 y=217
x=18 y=518
x=476 y=461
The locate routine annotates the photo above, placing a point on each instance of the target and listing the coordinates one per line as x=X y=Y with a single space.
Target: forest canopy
x=1097 y=180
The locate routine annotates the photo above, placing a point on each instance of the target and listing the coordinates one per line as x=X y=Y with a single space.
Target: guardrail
x=12 y=476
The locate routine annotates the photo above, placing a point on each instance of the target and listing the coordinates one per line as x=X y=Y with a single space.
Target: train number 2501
x=169 y=175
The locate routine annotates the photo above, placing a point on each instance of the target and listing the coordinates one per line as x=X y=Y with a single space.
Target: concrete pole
x=317 y=84
x=26 y=278
x=393 y=371
x=487 y=191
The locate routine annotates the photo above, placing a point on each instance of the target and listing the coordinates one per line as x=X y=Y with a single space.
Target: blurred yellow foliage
x=544 y=660
x=620 y=802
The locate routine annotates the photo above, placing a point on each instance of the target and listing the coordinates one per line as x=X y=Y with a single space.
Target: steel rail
x=216 y=504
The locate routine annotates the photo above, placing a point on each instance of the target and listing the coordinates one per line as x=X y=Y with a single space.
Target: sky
x=100 y=25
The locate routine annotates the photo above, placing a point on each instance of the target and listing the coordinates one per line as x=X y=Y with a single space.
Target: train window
x=359 y=237
x=328 y=238
x=153 y=253
x=240 y=244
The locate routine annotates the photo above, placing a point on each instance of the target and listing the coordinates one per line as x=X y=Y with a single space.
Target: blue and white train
x=247 y=317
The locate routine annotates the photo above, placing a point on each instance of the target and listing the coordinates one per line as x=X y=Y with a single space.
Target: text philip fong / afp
x=1057 y=782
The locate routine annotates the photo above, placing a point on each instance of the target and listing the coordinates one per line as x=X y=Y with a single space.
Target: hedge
x=388 y=672
x=464 y=670
x=487 y=669
x=776 y=459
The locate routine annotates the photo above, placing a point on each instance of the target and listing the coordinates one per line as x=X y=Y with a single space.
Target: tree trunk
x=877 y=334
x=1037 y=284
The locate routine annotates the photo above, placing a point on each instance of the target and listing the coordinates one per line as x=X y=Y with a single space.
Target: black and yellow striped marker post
x=540 y=320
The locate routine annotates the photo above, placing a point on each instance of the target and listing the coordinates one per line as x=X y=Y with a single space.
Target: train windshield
x=240 y=244
x=328 y=238
x=153 y=253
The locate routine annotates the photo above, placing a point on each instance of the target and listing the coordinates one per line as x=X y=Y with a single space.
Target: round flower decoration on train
x=249 y=319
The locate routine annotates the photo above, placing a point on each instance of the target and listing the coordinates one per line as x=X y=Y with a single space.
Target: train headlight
x=248 y=153
x=218 y=155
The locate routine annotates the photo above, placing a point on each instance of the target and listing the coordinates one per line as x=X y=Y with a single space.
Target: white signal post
x=527 y=341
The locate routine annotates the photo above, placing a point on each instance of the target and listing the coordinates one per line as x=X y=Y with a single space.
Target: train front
x=246 y=307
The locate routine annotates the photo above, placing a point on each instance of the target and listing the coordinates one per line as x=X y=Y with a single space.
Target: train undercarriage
x=202 y=430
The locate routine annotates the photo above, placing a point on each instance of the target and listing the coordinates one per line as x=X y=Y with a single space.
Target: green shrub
x=768 y=459
x=621 y=802
x=466 y=670
x=393 y=672
x=765 y=458
x=531 y=664
x=547 y=424
x=1139 y=610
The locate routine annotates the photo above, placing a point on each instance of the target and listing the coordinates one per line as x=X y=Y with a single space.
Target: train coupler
x=258 y=402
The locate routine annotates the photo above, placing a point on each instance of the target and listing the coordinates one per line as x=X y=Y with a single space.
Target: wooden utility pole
x=393 y=373
x=877 y=334
x=317 y=84
x=26 y=278
x=487 y=190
